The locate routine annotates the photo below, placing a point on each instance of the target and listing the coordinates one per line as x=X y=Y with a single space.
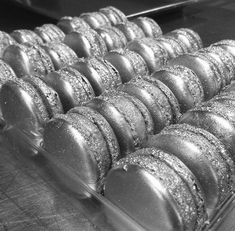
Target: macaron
x=128 y=63
x=114 y=15
x=26 y=36
x=189 y=37
x=5 y=41
x=184 y=84
x=228 y=45
x=27 y=104
x=60 y=54
x=153 y=98
x=50 y=33
x=104 y=127
x=113 y=37
x=131 y=30
x=125 y=119
x=31 y=59
x=225 y=59
x=100 y=73
x=152 y=52
x=157 y=190
x=149 y=26
x=86 y=43
x=204 y=155
x=68 y=24
x=73 y=87
x=217 y=118
x=78 y=144
x=204 y=68
x=95 y=19
x=173 y=46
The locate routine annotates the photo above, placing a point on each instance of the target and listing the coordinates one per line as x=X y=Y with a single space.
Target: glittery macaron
x=31 y=59
x=26 y=36
x=204 y=155
x=60 y=54
x=149 y=26
x=154 y=99
x=100 y=73
x=73 y=88
x=104 y=127
x=114 y=15
x=78 y=144
x=228 y=45
x=95 y=19
x=5 y=41
x=125 y=119
x=68 y=24
x=189 y=37
x=152 y=52
x=204 y=68
x=50 y=33
x=86 y=43
x=173 y=46
x=216 y=117
x=184 y=83
x=113 y=37
x=157 y=190
x=131 y=30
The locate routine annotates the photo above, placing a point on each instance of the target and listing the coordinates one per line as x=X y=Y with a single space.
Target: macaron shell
x=26 y=36
x=5 y=41
x=125 y=186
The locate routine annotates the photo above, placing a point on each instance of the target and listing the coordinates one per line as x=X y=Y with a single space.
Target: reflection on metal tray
x=59 y=8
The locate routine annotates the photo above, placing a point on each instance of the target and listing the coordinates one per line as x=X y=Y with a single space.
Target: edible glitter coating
x=28 y=36
x=217 y=67
x=99 y=17
x=5 y=41
x=190 y=79
x=50 y=33
x=226 y=59
x=98 y=46
x=6 y=73
x=226 y=42
x=49 y=96
x=210 y=150
x=109 y=78
x=40 y=61
x=35 y=96
x=143 y=110
x=176 y=46
x=65 y=54
x=95 y=142
x=192 y=36
x=170 y=179
x=175 y=107
x=131 y=30
x=159 y=52
x=114 y=15
x=156 y=29
x=130 y=113
x=83 y=91
x=159 y=97
x=137 y=61
x=104 y=127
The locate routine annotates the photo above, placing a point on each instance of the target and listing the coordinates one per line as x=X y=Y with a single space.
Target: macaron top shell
x=26 y=36
x=5 y=41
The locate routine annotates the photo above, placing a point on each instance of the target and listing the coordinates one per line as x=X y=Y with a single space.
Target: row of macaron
x=184 y=173
x=90 y=139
